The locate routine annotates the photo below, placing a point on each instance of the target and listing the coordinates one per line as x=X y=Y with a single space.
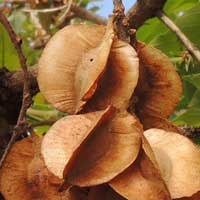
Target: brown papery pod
x=43 y=184
x=113 y=147
x=13 y=174
x=142 y=180
x=151 y=120
x=159 y=88
x=72 y=64
x=103 y=192
x=62 y=143
x=120 y=79
x=25 y=177
x=179 y=161
x=194 y=197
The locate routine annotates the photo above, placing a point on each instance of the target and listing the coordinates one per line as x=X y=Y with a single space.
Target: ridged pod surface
x=43 y=184
x=25 y=177
x=103 y=152
x=179 y=161
x=159 y=88
x=120 y=79
x=66 y=136
x=13 y=183
x=142 y=180
x=72 y=63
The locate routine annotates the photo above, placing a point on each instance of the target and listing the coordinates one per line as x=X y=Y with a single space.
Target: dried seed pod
x=121 y=136
x=119 y=80
x=66 y=136
x=13 y=180
x=159 y=88
x=23 y=175
x=43 y=184
x=194 y=197
x=151 y=120
x=100 y=158
x=103 y=192
x=72 y=63
x=142 y=180
x=76 y=193
x=179 y=161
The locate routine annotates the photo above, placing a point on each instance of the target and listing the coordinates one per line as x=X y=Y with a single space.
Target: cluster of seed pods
x=100 y=151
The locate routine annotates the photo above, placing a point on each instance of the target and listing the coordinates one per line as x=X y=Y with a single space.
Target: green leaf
x=188 y=22
x=154 y=27
x=188 y=93
x=195 y=101
x=197 y=141
x=185 y=14
x=8 y=54
x=17 y=20
x=179 y=5
x=194 y=79
x=190 y=117
x=41 y=130
x=151 y=29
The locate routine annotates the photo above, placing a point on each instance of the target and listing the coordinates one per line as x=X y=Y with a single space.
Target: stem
x=142 y=11
x=77 y=10
x=121 y=24
x=26 y=102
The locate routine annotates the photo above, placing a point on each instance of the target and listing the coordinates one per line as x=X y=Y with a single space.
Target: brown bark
x=11 y=92
x=143 y=10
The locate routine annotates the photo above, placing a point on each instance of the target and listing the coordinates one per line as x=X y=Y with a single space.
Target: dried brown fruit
x=142 y=180
x=75 y=193
x=63 y=141
x=179 y=161
x=151 y=120
x=120 y=79
x=194 y=197
x=43 y=184
x=25 y=177
x=72 y=63
x=103 y=192
x=100 y=158
x=159 y=88
x=13 y=180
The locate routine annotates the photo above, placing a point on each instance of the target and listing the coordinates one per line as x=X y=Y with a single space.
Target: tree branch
x=86 y=14
x=77 y=10
x=26 y=101
x=143 y=10
x=173 y=27
x=121 y=24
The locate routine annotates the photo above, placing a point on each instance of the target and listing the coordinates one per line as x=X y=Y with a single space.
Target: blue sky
x=106 y=6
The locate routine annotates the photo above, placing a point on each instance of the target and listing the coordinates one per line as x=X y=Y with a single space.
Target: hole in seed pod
x=91 y=59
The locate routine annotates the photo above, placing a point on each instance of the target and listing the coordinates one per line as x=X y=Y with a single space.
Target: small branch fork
x=26 y=102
